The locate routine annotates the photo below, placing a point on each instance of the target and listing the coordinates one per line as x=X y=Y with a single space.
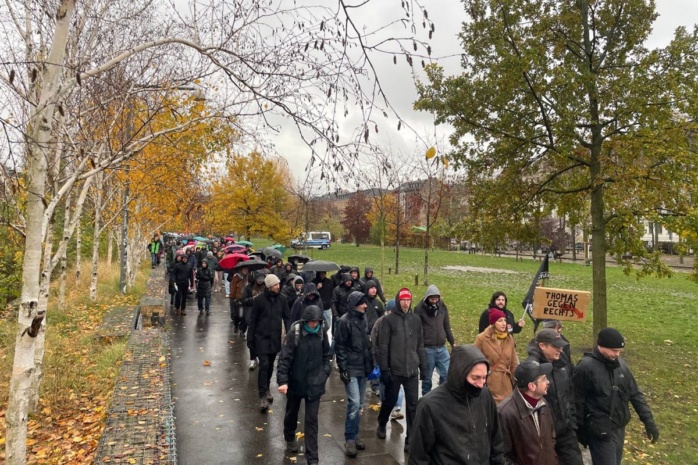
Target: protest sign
x=560 y=304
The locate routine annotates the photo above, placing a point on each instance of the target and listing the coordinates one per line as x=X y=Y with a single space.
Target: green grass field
x=658 y=317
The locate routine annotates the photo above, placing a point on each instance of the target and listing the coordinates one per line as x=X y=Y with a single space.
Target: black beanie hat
x=610 y=338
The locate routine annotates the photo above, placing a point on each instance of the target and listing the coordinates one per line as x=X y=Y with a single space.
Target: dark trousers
x=607 y=451
x=266 y=368
x=411 y=386
x=203 y=302
x=293 y=405
x=567 y=448
x=237 y=314
x=180 y=301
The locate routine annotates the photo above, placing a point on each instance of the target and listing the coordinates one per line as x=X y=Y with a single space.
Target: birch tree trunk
x=110 y=248
x=30 y=317
x=64 y=258
x=78 y=254
x=95 y=238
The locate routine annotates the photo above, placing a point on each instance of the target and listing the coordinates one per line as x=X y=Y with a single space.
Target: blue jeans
x=154 y=259
x=226 y=283
x=356 y=392
x=439 y=358
x=203 y=302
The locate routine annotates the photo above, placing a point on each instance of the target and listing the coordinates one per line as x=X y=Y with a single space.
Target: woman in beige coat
x=499 y=349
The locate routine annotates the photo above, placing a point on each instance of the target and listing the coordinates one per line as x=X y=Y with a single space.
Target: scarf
x=499 y=336
x=311 y=330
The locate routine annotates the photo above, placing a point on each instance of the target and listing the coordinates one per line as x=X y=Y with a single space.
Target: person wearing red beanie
x=497 y=345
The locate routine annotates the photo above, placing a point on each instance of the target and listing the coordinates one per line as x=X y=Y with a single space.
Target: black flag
x=528 y=300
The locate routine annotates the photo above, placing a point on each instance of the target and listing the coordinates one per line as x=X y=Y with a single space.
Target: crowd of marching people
x=489 y=407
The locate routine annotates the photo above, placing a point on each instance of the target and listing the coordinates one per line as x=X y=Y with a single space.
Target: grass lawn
x=658 y=317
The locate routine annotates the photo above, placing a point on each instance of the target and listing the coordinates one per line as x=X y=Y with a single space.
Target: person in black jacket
x=457 y=422
x=170 y=272
x=354 y=362
x=204 y=284
x=436 y=327
x=301 y=374
x=603 y=387
x=548 y=346
x=337 y=278
x=499 y=301
x=181 y=274
x=340 y=294
x=252 y=289
x=356 y=279
x=374 y=311
x=368 y=276
x=310 y=297
x=401 y=359
x=264 y=335
x=324 y=286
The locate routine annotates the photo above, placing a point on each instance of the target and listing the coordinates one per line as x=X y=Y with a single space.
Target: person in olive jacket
x=548 y=346
x=301 y=374
x=401 y=359
x=264 y=334
x=204 y=284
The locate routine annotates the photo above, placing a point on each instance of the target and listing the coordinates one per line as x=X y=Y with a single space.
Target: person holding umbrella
x=252 y=289
x=237 y=284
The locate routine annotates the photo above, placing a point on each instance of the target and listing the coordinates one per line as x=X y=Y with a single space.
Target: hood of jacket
x=312 y=313
x=298 y=280
x=463 y=359
x=354 y=268
x=355 y=299
x=368 y=270
x=370 y=283
x=344 y=277
x=344 y=268
x=431 y=291
x=310 y=289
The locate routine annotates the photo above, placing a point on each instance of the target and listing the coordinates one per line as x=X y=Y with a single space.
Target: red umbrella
x=228 y=239
x=229 y=261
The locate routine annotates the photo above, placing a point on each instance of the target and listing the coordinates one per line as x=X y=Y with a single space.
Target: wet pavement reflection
x=217 y=410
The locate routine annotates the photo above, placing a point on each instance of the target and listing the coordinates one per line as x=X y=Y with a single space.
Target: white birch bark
x=64 y=258
x=78 y=254
x=31 y=316
x=95 y=237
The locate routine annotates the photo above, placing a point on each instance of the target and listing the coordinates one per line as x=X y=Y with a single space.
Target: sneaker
x=263 y=405
x=350 y=448
x=397 y=415
x=253 y=364
x=359 y=444
x=292 y=446
x=270 y=399
x=361 y=412
x=201 y=311
x=208 y=312
x=227 y=296
x=235 y=330
x=183 y=312
x=380 y=431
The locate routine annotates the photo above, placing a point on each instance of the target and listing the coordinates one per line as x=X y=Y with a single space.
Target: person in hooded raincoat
x=204 y=284
x=301 y=374
x=457 y=422
x=310 y=297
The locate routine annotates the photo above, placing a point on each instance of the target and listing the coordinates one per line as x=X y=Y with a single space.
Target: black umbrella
x=299 y=259
x=251 y=265
x=320 y=265
x=271 y=252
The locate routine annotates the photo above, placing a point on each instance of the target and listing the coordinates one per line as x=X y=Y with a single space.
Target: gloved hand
x=652 y=431
x=386 y=377
x=344 y=376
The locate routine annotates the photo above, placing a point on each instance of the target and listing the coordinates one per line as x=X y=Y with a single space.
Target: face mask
x=472 y=391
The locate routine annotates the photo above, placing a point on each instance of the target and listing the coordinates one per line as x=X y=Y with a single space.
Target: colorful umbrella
x=228 y=239
x=272 y=252
x=279 y=247
x=245 y=243
x=228 y=262
x=235 y=248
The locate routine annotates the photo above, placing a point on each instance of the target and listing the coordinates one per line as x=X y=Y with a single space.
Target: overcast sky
x=448 y=16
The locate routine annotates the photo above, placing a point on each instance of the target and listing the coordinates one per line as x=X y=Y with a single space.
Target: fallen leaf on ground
x=207 y=363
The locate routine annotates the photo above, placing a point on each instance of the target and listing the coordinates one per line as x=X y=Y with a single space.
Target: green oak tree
x=561 y=99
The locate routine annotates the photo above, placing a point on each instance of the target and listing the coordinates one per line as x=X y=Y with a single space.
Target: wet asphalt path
x=217 y=410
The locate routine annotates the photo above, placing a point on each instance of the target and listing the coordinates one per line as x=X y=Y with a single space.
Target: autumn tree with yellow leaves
x=250 y=198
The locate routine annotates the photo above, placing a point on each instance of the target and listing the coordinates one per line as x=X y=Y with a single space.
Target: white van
x=314 y=239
